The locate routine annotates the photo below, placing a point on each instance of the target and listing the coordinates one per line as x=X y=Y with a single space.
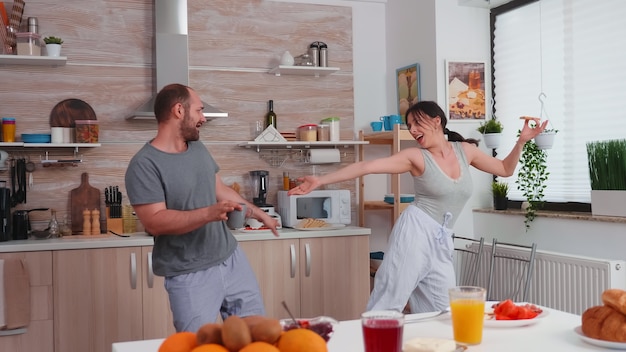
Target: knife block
x=114 y=224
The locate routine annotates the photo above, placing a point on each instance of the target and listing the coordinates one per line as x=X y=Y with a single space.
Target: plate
x=601 y=343
x=491 y=322
x=325 y=228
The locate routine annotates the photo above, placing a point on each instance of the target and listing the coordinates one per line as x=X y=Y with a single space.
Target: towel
x=16 y=294
x=2 y=320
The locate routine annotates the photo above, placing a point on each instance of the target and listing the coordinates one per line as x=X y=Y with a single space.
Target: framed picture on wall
x=465 y=90
x=408 y=87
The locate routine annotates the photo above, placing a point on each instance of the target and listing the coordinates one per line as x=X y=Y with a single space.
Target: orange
x=301 y=340
x=211 y=347
x=259 y=346
x=183 y=341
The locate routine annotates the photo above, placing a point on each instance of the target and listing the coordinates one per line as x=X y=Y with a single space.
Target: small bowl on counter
x=322 y=325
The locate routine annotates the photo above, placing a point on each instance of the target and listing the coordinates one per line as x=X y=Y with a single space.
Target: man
x=173 y=185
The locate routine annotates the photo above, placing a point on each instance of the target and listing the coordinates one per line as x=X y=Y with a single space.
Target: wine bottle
x=270 y=117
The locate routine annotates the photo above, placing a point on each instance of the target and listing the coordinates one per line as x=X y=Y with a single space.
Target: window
x=573 y=52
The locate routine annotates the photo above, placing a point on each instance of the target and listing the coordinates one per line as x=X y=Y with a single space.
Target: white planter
x=545 y=140
x=608 y=203
x=53 y=49
x=492 y=140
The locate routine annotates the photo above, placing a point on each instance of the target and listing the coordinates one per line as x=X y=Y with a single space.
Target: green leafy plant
x=490 y=126
x=607 y=164
x=500 y=189
x=53 y=40
x=531 y=179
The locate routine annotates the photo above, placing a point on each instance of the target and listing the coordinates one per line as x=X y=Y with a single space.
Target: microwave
x=332 y=206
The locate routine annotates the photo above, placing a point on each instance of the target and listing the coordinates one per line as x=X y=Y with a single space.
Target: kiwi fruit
x=268 y=330
x=235 y=333
x=210 y=333
x=253 y=320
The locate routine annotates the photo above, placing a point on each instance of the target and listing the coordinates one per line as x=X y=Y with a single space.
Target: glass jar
x=308 y=133
x=333 y=122
x=87 y=131
x=323 y=132
x=28 y=44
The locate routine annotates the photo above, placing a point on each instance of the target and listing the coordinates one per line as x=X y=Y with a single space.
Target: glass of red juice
x=382 y=330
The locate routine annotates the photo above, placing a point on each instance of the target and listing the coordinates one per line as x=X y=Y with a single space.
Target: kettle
x=21 y=223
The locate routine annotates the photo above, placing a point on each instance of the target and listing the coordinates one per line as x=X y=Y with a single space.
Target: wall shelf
x=303 y=70
x=33 y=60
x=49 y=145
x=300 y=144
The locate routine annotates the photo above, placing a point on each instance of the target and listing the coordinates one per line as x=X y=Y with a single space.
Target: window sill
x=571 y=215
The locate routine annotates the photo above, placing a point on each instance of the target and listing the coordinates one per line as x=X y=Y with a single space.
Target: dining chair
x=510 y=271
x=467 y=259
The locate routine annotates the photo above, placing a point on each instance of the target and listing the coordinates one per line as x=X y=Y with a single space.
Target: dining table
x=552 y=330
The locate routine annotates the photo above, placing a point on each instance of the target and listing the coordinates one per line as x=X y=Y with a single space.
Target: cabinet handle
x=133 y=270
x=150 y=272
x=307 y=256
x=292 y=251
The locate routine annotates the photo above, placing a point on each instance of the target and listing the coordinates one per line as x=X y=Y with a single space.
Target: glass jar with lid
x=28 y=43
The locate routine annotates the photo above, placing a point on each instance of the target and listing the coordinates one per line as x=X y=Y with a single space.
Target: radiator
x=560 y=281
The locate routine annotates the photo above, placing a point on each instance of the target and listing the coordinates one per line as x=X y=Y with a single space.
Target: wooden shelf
x=33 y=60
x=303 y=70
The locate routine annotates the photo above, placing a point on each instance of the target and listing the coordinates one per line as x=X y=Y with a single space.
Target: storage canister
x=333 y=122
x=323 y=132
x=323 y=55
x=28 y=44
x=308 y=133
x=8 y=129
x=87 y=131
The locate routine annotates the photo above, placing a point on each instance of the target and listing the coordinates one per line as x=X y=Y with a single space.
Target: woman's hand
x=308 y=183
x=529 y=132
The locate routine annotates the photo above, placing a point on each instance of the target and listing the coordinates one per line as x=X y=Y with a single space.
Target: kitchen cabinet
x=38 y=335
x=106 y=295
x=393 y=139
x=33 y=60
x=314 y=276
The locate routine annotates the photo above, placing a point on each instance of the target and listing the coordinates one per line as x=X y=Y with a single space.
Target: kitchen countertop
x=143 y=239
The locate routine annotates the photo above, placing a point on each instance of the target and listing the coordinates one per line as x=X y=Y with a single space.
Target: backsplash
x=232 y=46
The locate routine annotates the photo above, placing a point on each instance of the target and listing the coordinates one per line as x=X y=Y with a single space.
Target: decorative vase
x=492 y=140
x=53 y=49
x=545 y=140
x=287 y=59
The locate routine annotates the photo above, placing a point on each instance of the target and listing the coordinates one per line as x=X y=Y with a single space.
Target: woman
x=418 y=263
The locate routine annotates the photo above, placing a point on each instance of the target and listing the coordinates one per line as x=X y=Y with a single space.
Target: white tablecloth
x=554 y=332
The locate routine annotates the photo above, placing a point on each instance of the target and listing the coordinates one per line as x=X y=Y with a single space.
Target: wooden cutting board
x=81 y=198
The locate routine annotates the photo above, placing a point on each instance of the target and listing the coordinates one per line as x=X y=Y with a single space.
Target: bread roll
x=615 y=298
x=604 y=323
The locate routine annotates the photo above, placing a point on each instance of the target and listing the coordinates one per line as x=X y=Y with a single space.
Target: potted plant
x=53 y=45
x=491 y=131
x=531 y=179
x=607 y=173
x=500 y=191
x=545 y=139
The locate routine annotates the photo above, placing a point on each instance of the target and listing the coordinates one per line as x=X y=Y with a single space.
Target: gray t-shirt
x=184 y=181
x=436 y=193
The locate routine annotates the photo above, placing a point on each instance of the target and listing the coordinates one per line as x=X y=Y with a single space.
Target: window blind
x=572 y=52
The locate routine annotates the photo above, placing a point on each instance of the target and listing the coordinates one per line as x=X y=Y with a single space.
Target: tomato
x=507 y=310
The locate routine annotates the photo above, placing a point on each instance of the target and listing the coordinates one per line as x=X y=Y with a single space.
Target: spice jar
x=8 y=129
x=87 y=131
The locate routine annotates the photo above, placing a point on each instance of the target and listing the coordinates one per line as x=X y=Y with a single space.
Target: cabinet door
x=275 y=263
x=97 y=298
x=39 y=333
x=334 y=276
x=157 y=315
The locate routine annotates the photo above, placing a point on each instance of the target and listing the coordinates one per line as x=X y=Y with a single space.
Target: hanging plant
x=531 y=179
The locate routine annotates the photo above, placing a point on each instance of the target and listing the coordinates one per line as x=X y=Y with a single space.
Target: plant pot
x=500 y=203
x=608 y=203
x=53 y=49
x=492 y=140
x=545 y=140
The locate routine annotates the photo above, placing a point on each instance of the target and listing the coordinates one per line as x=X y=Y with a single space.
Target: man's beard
x=189 y=130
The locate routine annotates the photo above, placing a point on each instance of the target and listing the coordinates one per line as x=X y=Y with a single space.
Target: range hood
x=172 y=54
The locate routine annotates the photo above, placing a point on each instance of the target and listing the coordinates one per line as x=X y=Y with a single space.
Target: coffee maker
x=259 y=181
x=6 y=232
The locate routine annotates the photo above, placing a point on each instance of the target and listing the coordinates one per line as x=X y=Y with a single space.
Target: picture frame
x=465 y=90
x=407 y=88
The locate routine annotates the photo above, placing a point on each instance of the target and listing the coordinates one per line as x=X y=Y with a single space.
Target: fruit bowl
x=323 y=326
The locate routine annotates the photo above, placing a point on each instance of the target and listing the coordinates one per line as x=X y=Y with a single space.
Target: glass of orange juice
x=467 y=305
